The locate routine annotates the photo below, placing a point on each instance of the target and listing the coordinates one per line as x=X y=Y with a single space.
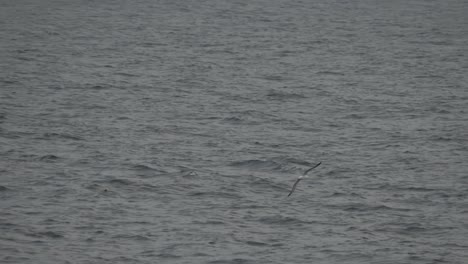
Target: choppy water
x=171 y=131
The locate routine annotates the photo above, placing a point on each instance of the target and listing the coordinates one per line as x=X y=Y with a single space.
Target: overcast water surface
x=172 y=131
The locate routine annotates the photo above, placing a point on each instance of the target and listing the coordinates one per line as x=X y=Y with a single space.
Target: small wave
x=355 y=116
x=49 y=158
x=391 y=187
x=439 y=43
x=429 y=76
x=3 y=188
x=329 y=73
x=121 y=259
x=278 y=95
x=123 y=118
x=343 y=194
x=256 y=164
x=232 y=261
x=209 y=222
x=146 y=171
x=189 y=174
x=96 y=106
x=402 y=228
x=413 y=229
x=201 y=254
x=14 y=134
x=132 y=237
x=48 y=234
x=60 y=135
x=360 y=207
x=141 y=167
x=266 y=183
x=124 y=182
x=281 y=220
x=126 y=74
x=168 y=256
x=417 y=189
x=95 y=187
x=99 y=87
x=339 y=173
x=233 y=119
x=256 y=243
x=274 y=78
x=250 y=205
x=299 y=162
x=281 y=164
x=216 y=195
x=441 y=138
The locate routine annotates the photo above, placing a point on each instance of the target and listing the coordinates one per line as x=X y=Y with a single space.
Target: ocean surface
x=170 y=131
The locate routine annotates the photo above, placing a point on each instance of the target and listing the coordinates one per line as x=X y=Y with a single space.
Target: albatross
x=301 y=177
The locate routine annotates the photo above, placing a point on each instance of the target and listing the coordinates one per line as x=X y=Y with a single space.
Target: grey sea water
x=172 y=131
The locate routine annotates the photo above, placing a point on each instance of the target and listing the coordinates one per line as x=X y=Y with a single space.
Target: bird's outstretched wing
x=307 y=171
x=300 y=178
x=294 y=186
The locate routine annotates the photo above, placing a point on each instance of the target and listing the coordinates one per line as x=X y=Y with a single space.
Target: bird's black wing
x=294 y=186
x=307 y=171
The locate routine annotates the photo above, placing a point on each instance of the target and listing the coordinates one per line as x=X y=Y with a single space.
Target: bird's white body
x=301 y=177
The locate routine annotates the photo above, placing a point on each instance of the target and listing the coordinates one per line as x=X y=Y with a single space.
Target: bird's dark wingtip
x=307 y=171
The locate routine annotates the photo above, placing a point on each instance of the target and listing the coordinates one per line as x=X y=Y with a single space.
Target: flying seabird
x=301 y=177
